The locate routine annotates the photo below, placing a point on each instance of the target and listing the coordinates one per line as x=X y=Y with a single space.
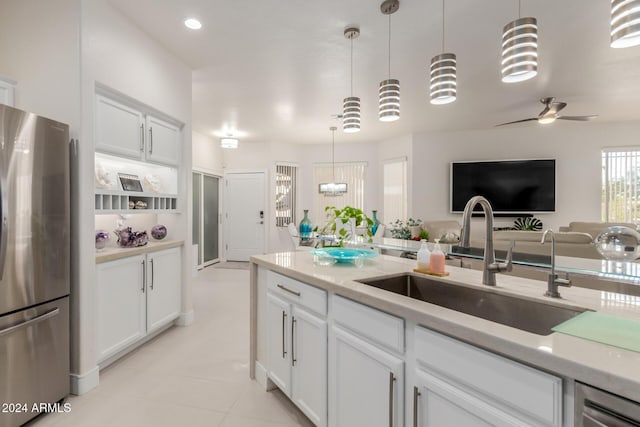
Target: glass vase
x=376 y=223
x=305 y=229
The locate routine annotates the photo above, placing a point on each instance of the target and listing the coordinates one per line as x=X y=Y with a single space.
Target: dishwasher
x=597 y=408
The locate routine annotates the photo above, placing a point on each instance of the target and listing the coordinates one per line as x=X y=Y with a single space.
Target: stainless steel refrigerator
x=34 y=264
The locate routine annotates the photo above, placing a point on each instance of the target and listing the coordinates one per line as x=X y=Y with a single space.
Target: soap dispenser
x=423 y=256
x=436 y=259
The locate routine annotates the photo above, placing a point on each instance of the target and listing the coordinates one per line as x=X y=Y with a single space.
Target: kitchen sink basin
x=527 y=315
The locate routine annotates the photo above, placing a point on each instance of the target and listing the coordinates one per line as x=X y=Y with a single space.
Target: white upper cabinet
x=126 y=131
x=163 y=141
x=119 y=129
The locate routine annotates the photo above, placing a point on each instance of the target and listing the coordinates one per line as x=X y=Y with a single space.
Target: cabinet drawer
x=377 y=326
x=302 y=294
x=518 y=387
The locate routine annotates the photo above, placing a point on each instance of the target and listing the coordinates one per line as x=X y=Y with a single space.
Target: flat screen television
x=511 y=186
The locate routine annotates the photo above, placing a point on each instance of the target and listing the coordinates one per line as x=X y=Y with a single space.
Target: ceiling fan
x=550 y=113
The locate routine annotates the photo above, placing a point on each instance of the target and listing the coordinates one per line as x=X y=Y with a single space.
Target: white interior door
x=245 y=215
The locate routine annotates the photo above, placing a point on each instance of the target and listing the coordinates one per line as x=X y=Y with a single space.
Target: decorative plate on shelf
x=345 y=254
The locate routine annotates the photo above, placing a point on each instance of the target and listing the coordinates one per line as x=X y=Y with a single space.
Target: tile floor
x=188 y=376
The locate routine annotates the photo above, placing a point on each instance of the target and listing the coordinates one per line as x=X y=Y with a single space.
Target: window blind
x=620 y=186
x=285 y=203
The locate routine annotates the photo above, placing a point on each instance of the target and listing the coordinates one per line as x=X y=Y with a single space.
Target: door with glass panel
x=206 y=218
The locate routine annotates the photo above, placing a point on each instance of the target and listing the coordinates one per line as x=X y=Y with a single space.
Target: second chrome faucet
x=553 y=281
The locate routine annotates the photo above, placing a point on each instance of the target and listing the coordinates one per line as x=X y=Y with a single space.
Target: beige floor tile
x=188 y=376
x=270 y=406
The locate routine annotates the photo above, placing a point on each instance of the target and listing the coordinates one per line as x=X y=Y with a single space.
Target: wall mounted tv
x=511 y=186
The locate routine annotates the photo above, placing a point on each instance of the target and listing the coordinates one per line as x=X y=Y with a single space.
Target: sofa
x=574 y=240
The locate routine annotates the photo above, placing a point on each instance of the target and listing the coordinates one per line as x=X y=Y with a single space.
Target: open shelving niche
x=111 y=198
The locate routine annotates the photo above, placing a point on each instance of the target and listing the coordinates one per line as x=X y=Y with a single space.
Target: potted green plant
x=415 y=225
x=347 y=223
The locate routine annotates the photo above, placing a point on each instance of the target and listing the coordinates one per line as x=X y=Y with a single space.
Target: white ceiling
x=278 y=69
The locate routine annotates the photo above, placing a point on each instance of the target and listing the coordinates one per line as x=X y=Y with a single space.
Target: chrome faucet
x=553 y=281
x=491 y=267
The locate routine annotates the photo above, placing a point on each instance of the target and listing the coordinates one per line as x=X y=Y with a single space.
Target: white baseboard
x=80 y=384
x=262 y=378
x=185 y=319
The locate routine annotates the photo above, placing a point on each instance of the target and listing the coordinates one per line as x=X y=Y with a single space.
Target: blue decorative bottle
x=305 y=229
x=376 y=223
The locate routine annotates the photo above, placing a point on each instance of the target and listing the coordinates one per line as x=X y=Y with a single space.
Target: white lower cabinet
x=385 y=371
x=365 y=383
x=297 y=345
x=455 y=383
x=163 y=287
x=121 y=304
x=136 y=296
x=437 y=403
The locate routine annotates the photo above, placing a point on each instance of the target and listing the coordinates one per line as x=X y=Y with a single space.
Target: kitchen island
x=409 y=335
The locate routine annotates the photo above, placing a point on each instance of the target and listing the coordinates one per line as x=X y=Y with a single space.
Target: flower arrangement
x=402 y=230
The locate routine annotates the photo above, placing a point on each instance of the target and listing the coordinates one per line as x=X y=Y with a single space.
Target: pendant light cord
x=333 y=156
x=389 y=46
x=352 y=66
x=519 y=6
x=442 y=26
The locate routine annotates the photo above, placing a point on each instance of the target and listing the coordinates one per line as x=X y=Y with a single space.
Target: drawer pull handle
x=392 y=379
x=44 y=316
x=416 y=396
x=293 y=356
x=296 y=293
x=284 y=320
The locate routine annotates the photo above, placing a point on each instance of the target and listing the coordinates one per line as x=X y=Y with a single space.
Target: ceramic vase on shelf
x=376 y=222
x=305 y=228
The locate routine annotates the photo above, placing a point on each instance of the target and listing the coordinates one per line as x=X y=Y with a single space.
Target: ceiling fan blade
x=555 y=107
x=577 y=118
x=518 y=121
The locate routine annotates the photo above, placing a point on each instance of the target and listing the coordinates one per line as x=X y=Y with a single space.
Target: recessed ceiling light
x=192 y=23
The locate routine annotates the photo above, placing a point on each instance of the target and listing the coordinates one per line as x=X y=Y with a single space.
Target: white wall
x=575 y=146
x=40 y=49
x=207 y=156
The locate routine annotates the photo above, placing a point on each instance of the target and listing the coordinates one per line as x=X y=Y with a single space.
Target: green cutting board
x=603 y=328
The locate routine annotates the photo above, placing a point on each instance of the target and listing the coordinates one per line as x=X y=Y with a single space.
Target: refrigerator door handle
x=3 y=229
x=44 y=316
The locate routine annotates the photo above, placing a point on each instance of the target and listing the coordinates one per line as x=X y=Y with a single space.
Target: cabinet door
x=121 y=304
x=438 y=403
x=119 y=129
x=309 y=365
x=278 y=342
x=163 y=287
x=163 y=142
x=365 y=383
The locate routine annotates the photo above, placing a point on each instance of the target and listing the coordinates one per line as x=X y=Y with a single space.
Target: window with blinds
x=353 y=174
x=620 y=184
x=286 y=176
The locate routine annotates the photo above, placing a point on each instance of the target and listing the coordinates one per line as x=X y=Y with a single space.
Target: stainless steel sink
x=528 y=315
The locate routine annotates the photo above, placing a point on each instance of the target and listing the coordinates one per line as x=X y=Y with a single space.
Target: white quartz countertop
x=607 y=367
x=111 y=253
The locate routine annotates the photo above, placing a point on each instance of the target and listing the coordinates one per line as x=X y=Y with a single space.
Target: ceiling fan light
x=520 y=50
x=625 y=23
x=545 y=120
x=443 y=82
